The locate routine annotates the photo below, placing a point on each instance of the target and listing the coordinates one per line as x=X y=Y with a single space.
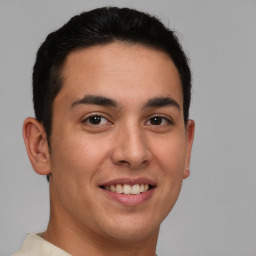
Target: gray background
x=216 y=212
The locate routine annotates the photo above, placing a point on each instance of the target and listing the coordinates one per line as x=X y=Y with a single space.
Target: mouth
x=128 y=189
x=129 y=192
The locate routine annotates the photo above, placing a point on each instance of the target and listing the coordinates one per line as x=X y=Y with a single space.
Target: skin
x=126 y=143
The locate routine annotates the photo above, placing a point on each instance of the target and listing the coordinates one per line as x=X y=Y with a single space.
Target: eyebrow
x=95 y=100
x=161 y=102
x=104 y=101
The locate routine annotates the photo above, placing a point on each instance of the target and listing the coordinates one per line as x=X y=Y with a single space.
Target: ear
x=190 y=130
x=35 y=140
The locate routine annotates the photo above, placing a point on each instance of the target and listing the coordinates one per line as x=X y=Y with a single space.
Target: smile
x=129 y=192
x=128 y=189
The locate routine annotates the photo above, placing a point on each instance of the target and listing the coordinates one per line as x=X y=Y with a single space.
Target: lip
x=129 y=200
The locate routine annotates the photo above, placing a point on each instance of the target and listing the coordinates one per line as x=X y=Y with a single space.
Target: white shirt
x=35 y=245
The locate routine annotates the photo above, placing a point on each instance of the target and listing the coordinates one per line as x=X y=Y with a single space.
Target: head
x=111 y=96
x=100 y=27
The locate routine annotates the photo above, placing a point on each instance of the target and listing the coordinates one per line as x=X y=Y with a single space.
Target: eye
x=159 y=121
x=96 y=120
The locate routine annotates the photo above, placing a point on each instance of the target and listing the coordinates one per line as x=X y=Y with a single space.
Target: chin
x=132 y=235
x=132 y=229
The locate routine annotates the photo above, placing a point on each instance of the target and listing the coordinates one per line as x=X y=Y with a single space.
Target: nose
x=131 y=148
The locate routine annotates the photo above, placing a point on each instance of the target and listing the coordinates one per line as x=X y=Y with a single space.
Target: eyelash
x=161 y=119
x=99 y=118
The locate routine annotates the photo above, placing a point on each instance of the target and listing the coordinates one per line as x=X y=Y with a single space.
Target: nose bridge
x=131 y=147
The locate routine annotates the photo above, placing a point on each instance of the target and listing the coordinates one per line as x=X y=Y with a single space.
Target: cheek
x=78 y=157
x=170 y=154
x=75 y=163
x=170 y=157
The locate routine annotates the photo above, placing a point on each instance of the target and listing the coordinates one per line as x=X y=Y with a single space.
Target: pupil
x=95 y=119
x=156 y=120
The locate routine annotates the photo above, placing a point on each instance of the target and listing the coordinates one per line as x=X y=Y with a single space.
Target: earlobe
x=186 y=173
x=190 y=131
x=35 y=140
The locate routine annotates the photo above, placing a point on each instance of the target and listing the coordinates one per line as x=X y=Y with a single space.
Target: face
x=119 y=144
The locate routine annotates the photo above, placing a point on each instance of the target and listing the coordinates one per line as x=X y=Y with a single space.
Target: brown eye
x=96 y=120
x=156 y=120
x=159 y=121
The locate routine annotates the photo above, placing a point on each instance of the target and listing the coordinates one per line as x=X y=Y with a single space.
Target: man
x=111 y=92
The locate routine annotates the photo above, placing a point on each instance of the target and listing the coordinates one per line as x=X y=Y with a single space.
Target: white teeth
x=128 y=189
x=136 y=189
x=119 y=189
x=113 y=188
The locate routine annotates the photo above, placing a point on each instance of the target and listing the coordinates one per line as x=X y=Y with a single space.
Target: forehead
x=122 y=70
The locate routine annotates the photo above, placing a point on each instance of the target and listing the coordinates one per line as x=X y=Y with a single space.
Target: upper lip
x=122 y=181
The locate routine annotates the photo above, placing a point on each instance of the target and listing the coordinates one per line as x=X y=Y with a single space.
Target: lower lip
x=130 y=200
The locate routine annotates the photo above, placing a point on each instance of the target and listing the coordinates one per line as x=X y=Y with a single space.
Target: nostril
x=145 y=161
x=133 y=164
x=123 y=162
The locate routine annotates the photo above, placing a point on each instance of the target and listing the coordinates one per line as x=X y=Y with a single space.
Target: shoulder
x=35 y=245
